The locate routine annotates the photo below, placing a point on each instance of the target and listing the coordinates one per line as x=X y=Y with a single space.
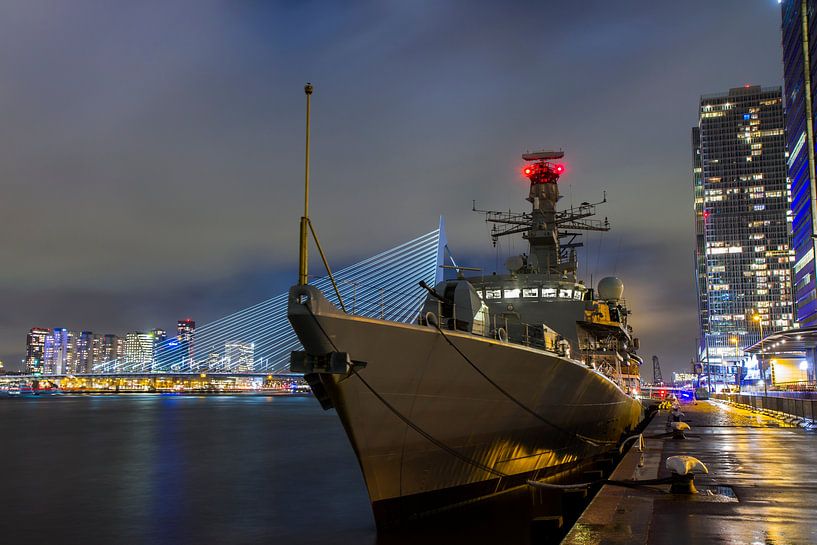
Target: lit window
x=530 y=292
x=512 y=294
x=493 y=294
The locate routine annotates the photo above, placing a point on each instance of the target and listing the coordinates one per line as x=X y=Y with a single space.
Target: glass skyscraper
x=239 y=356
x=35 y=349
x=59 y=352
x=139 y=350
x=87 y=352
x=799 y=81
x=743 y=226
x=186 y=330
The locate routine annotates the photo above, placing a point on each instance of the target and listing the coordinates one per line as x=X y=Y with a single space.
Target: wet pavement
x=761 y=488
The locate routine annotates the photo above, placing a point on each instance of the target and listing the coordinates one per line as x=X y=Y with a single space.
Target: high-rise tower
x=239 y=356
x=112 y=349
x=186 y=330
x=59 y=352
x=799 y=71
x=35 y=349
x=743 y=254
x=87 y=348
x=139 y=350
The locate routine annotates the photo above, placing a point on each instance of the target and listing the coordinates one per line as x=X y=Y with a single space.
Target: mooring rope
x=407 y=421
x=589 y=440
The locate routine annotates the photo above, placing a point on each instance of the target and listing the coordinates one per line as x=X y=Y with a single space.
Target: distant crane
x=656 y=371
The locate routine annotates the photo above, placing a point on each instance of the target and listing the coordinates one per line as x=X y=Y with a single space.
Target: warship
x=502 y=379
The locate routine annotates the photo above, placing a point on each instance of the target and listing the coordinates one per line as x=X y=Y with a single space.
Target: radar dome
x=514 y=263
x=611 y=288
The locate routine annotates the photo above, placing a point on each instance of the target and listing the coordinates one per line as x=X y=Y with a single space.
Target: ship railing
x=374 y=300
x=402 y=305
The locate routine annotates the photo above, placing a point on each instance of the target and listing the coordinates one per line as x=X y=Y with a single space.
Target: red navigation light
x=527 y=171
x=706 y=214
x=559 y=169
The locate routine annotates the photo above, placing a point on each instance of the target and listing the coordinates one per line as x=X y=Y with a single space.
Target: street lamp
x=759 y=319
x=736 y=340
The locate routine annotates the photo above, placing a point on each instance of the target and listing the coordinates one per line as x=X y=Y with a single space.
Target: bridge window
x=530 y=292
x=565 y=294
x=512 y=294
x=548 y=292
x=493 y=294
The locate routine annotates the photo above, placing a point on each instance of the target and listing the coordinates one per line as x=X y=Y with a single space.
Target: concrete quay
x=761 y=488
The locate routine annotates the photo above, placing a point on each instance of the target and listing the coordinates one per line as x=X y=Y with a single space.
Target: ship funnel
x=611 y=288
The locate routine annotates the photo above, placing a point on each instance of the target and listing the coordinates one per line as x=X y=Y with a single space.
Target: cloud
x=150 y=147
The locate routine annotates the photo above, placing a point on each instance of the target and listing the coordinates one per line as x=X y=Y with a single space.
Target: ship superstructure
x=503 y=378
x=541 y=300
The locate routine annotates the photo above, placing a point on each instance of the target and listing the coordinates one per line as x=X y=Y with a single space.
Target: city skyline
x=62 y=351
x=184 y=226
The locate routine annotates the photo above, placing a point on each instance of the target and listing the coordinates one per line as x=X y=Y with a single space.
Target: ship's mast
x=303 y=258
x=545 y=227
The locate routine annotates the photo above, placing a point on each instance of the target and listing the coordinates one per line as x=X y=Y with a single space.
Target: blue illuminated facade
x=799 y=84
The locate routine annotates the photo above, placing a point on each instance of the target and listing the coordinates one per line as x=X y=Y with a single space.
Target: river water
x=178 y=469
x=170 y=469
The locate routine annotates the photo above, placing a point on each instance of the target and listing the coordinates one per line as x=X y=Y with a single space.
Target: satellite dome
x=514 y=263
x=611 y=288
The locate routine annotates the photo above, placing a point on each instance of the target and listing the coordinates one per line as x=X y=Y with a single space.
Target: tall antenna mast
x=552 y=235
x=303 y=261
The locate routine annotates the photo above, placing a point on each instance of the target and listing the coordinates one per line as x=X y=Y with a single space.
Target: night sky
x=151 y=153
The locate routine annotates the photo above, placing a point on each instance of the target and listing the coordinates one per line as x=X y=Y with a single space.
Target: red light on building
x=527 y=171
x=559 y=169
x=706 y=214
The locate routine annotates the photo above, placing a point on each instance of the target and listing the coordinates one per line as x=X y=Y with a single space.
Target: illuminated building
x=681 y=379
x=238 y=356
x=59 y=353
x=112 y=349
x=159 y=335
x=87 y=348
x=743 y=224
x=35 y=349
x=213 y=361
x=139 y=350
x=798 y=69
x=186 y=330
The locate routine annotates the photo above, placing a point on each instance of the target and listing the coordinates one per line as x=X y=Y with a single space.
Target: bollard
x=683 y=470
x=678 y=429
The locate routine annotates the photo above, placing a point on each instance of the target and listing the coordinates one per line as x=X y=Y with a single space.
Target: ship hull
x=441 y=418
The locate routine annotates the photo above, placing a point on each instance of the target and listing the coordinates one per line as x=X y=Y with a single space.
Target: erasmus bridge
x=383 y=286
